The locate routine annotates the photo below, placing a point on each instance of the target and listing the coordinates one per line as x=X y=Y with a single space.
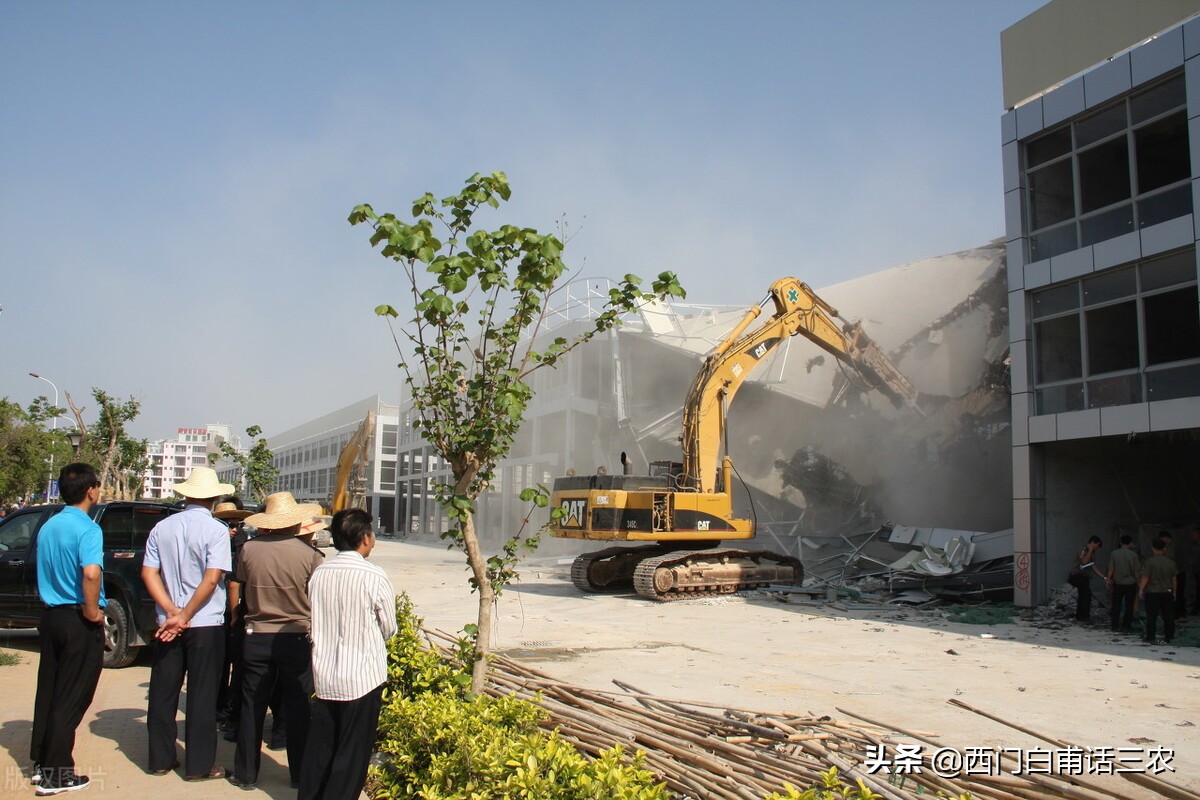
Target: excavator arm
x=798 y=311
x=348 y=487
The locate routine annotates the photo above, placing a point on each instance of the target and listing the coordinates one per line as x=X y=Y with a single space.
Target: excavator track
x=703 y=573
x=610 y=569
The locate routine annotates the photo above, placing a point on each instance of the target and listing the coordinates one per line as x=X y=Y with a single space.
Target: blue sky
x=175 y=177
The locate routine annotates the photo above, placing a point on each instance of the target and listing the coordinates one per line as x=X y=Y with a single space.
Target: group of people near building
x=301 y=627
x=1157 y=583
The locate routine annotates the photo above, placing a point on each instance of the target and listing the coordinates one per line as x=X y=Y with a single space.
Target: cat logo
x=702 y=524
x=576 y=513
x=759 y=351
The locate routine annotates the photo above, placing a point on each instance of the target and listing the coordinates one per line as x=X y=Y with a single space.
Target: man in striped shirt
x=353 y=616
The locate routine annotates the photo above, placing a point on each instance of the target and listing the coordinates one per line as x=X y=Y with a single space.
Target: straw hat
x=230 y=511
x=282 y=511
x=203 y=484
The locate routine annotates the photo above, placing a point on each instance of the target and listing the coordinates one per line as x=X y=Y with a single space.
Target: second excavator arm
x=798 y=310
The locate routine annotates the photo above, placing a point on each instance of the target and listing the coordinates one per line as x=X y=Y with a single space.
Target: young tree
x=479 y=300
x=258 y=465
x=120 y=459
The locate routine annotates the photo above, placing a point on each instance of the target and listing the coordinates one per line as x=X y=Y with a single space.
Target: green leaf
x=386 y=311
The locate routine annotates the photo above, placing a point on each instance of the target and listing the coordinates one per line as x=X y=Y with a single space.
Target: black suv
x=129 y=621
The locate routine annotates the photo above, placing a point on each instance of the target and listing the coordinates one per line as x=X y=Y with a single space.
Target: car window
x=117 y=526
x=17 y=532
x=144 y=519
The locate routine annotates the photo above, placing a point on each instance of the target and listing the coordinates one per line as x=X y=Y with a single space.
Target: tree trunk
x=487 y=603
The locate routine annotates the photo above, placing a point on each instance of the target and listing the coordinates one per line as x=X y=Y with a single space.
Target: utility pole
x=53 y=427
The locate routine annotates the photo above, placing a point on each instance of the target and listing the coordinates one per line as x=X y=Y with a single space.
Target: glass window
x=116 y=525
x=1169 y=271
x=17 y=532
x=1048 y=146
x=1162 y=152
x=1051 y=195
x=1101 y=124
x=1103 y=175
x=1160 y=99
x=1106 y=225
x=1109 y=286
x=1057 y=399
x=1172 y=326
x=1053 y=242
x=1171 y=384
x=1119 y=390
x=1056 y=300
x=1083 y=196
x=1165 y=206
x=1058 y=352
x=1112 y=337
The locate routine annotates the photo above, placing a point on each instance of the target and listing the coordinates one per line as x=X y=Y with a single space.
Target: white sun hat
x=282 y=511
x=203 y=484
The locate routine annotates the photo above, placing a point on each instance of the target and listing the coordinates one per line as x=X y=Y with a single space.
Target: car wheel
x=117 y=652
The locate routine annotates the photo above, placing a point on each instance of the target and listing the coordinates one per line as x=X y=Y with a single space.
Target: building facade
x=1100 y=147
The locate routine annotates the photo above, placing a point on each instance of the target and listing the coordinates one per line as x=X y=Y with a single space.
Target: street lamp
x=76 y=439
x=53 y=427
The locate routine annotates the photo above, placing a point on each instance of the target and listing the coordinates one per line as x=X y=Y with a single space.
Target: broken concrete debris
x=910 y=565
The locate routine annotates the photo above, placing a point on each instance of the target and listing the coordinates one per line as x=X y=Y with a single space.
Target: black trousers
x=1181 y=595
x=1160 y=604
x=339 y=747
x=198 y=653
x=72 y=653
x=1121 y=609
x=1083 y=601
x=229 y=696
x=268 y=658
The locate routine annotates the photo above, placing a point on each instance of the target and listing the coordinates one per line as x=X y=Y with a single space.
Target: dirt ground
x=1081 y=685
x=896 y=667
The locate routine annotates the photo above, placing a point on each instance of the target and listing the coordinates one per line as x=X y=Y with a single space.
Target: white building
x=172 y=460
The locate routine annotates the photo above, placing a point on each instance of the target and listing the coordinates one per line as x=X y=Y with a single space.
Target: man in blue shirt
x=70 y=561
x=187 y=556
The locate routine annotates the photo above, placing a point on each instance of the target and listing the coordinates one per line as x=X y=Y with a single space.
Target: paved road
x=1079 y=685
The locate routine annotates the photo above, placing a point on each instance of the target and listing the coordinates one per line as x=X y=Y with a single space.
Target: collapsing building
x=817 y=454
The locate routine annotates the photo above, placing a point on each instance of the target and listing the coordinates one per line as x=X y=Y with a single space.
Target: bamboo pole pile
x=711 y=752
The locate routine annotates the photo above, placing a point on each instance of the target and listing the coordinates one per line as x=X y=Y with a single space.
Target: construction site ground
x=894 y=666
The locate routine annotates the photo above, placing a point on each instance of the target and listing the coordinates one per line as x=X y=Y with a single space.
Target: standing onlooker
x=354 y=614
x=1158 y=590
x=69 y=569
x=273 y=571
x=1180 y=576
x=229 y=694
x=1078 y=577
x=187 y=557
x=1124 y=569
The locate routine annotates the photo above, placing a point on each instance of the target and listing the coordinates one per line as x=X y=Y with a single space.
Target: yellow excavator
x=685 y=508
x=350 y=477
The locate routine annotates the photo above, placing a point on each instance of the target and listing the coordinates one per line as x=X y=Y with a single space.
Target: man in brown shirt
x=272 y=572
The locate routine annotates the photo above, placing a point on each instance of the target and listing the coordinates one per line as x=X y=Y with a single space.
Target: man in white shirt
x=187 y=556
x=353 y=616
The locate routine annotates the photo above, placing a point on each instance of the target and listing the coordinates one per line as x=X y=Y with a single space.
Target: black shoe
x=230 y=735
x=248 y=786
x=68 y=782
x=277 y=744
